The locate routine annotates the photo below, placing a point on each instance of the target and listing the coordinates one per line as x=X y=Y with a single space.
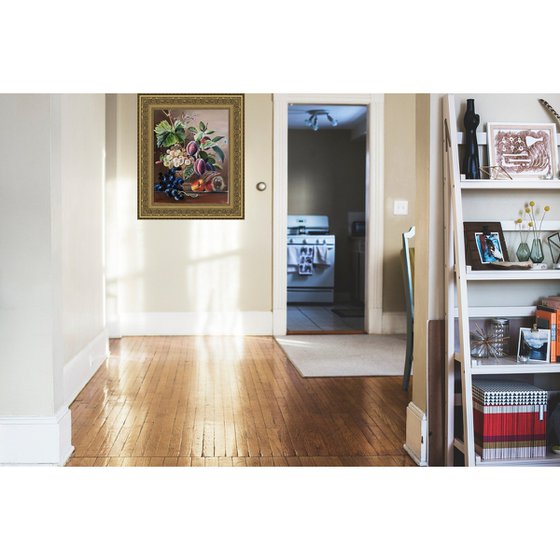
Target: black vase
x=470 y=162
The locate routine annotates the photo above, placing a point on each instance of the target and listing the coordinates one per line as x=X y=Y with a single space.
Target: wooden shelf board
x=530 y=275
x=497 y=311
x=509 y=366
x=508 y=184
x=481 y=138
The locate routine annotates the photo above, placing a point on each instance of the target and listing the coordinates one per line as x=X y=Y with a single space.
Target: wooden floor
x=231 y=401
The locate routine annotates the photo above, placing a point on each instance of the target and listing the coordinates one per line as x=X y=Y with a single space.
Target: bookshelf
x=513 y=293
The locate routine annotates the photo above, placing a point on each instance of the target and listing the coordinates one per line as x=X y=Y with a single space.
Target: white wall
x=187 y=276
x=51 y=281
x=83 y=154
x=82 y=177
x=31 y=353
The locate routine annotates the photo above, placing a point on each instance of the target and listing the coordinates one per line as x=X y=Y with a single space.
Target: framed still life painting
x=190 y=156
x=525 y=151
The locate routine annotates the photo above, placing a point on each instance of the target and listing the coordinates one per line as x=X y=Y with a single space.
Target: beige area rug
x=333 y=355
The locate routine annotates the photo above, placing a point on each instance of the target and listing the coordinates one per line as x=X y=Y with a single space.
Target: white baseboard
x=114 y=328
x=416 y=435
x=196 y=323
x=394 y=322
x=36 y=440
x=80 y=369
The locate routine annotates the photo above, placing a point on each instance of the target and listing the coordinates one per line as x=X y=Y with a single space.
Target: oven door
x=316 y=287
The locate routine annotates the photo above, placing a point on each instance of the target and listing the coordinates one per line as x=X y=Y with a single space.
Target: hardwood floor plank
x=231 y=401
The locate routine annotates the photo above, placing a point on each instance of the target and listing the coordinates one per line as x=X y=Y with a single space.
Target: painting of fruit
x=190 y=155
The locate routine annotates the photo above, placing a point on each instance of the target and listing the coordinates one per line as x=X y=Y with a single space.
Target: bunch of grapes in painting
x=171 y=184
x=193 y=157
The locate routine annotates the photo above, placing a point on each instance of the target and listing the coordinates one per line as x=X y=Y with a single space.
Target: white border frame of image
x=493 y=127
x=525 y=329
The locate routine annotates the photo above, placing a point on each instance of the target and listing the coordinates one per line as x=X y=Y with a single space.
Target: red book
x=547 y=318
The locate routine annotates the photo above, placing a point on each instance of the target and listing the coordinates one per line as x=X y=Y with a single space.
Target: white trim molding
x=80 y=369
x=374 y=203
x=197 y=323
x=36 y=440
x=416 y=444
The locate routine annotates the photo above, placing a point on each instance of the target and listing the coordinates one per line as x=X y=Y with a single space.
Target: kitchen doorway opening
x=328 y=214
x=326 y=228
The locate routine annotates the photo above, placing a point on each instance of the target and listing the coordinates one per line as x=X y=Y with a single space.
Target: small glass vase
x=523 y=252
x=537 y=254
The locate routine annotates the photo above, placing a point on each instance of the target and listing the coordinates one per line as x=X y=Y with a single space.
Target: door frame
x=373 y=316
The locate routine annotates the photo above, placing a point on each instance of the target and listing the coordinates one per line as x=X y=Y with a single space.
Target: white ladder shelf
x=459 y=277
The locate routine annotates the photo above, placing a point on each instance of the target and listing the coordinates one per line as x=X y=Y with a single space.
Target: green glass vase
x=523 y=252
x=537 y=254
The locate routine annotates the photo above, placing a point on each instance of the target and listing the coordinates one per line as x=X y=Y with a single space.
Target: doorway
x=371 y=246
x=326 y=218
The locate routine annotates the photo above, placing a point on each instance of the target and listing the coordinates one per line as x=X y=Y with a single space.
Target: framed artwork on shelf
x=523 y=150
x=190 y=156
x=554 y=246
x=534 y=345
x=484 y=244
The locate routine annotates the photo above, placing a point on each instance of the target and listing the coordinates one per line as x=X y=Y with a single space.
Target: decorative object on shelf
x=485 y=343
x=523 y=252
x=470 y=162
x=495 y=172
x=190 y=156
x=485 y=244
x=554 y=243
x=510 y=420
x=537 y=254
x=526 y=150
x=506 y=265
x=534 y=344
x=499 y=331
x=550 y=109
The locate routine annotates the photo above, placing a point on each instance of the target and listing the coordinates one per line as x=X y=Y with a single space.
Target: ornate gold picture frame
x=190 y=156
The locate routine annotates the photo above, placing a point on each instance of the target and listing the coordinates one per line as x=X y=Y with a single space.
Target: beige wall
x=400 y=184
x=318 y=183
x=168 y=266
x=82 y=182
x=200 y=266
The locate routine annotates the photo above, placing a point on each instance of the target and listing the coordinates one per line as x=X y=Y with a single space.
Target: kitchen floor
x=323 y=318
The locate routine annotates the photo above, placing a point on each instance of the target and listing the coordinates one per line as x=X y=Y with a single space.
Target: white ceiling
x=348 y=116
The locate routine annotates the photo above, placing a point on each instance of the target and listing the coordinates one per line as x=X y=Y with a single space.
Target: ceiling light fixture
x=312 y=120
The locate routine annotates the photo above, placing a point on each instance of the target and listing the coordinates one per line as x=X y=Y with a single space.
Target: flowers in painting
x=193 y=155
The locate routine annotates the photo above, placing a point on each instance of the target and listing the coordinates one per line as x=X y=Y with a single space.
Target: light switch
x=400 y=208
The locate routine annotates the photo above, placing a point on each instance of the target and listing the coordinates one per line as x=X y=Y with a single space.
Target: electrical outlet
x=400 y=208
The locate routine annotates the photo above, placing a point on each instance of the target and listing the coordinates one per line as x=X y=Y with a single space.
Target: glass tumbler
x=499 y=332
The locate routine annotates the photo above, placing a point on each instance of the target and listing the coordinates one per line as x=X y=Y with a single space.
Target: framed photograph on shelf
x=534 y=345
x=524 y=150
x=484 y=244
x=190 y=156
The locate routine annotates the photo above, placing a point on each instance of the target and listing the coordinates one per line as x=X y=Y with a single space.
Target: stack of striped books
x=509 y=420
